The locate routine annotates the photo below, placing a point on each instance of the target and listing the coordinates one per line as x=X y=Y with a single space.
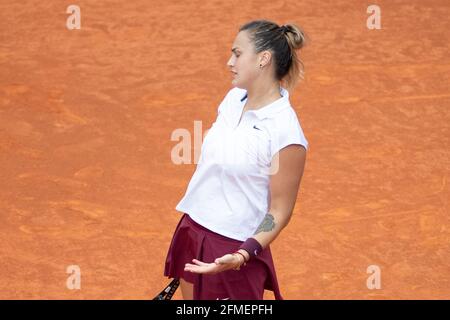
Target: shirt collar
x=273 y=108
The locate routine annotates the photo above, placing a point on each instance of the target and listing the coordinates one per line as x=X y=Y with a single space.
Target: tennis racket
x=168 y=291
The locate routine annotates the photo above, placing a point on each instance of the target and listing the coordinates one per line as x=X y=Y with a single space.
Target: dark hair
x=282 y=41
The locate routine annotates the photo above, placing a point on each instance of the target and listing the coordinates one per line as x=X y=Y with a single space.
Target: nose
x=230 y=63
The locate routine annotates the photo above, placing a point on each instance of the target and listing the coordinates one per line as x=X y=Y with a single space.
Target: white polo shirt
x=229 y=192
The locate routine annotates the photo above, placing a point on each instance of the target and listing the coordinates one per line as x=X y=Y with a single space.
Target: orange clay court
x=86 y=118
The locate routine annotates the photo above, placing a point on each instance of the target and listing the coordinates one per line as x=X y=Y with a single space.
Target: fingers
x=228 y=258
x=206 y=269
x=197 y=267
x=197 y=264
x=192 y=268
x=200 y=263
x=225 y=262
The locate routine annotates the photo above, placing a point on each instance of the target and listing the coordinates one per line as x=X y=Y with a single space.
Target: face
x=244 y=62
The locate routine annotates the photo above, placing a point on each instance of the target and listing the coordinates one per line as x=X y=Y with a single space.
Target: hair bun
x=296 y=36
x=284 y=28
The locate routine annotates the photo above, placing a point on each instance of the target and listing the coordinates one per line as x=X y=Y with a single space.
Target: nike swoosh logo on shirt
x=254 y=127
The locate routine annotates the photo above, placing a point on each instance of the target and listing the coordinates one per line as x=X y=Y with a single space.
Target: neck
x=261 y=95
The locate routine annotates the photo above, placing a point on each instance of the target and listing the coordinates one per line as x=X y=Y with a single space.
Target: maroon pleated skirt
x=193 y=241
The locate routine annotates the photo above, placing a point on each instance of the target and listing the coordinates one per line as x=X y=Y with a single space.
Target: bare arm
x=284 y=185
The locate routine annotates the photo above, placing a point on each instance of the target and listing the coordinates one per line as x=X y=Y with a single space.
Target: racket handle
x=168 y=291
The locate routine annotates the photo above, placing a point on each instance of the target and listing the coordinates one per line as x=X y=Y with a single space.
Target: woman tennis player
x=245 y=185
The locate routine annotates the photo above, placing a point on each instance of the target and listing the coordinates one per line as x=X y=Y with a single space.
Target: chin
x=237 y=84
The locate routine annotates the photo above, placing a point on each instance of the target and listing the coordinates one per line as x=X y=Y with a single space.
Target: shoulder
x=285 y=129
x=286 y=119
x=233 y=95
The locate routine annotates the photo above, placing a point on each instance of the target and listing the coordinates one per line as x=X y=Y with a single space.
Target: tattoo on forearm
x=267 y=224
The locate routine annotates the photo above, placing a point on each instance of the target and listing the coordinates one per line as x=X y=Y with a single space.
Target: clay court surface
x=86 y=118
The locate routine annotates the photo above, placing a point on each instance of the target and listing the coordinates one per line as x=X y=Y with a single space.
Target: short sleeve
x=287 y=132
